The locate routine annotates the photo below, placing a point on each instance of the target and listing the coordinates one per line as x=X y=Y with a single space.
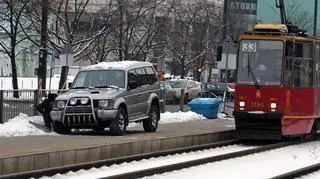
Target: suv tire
x=151 y=124
x=59 y=128
x=118 y=125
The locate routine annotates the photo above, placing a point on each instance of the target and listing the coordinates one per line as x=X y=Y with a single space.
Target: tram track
x=155 y=170
x=96 y=164
x=299 y=172
x=177 y=166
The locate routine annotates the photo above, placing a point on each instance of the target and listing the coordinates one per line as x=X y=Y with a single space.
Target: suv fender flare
x=152 y=97
x=118 y=102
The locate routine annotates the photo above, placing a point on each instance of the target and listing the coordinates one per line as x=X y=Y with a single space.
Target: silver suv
x=110 y=94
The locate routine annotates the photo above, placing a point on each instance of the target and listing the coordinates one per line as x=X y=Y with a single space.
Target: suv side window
x=132 y=76
x=152 y=77
x=141 y=76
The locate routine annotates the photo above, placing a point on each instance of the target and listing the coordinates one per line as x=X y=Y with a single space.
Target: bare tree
x=302 y=19
x=190 y=41
x=76 y=22
x=12 y=12
x=296 y=16
x=238 y=25
x=135 y=28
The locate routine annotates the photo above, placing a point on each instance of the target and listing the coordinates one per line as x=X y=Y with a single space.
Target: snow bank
x=22 y=126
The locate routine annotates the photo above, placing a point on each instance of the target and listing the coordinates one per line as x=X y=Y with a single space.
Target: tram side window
x=287 y=72
x=287 y=66
x=302 y=65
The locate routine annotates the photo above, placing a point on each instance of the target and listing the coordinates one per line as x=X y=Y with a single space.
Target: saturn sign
x=247 y=7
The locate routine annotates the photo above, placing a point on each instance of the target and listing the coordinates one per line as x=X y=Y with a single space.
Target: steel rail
x=177 y=166
x=299 y=172
x=76 y=167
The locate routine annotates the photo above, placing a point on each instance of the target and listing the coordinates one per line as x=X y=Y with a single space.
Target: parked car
x=192 y=89
x=217 y=90
x=110 y=94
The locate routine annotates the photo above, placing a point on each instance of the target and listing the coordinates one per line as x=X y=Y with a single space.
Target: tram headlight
x=273 y=106
x=242 y=104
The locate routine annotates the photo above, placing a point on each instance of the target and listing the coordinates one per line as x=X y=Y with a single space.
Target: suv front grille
x=78 y=109
x=75 y=120
x=79 y=114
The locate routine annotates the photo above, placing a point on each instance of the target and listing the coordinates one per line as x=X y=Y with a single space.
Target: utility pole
x=226 y=39
x=42 y=68
x=315 y=18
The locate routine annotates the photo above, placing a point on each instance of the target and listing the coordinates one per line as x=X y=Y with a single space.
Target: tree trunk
x=14 y=74
x=182 y=72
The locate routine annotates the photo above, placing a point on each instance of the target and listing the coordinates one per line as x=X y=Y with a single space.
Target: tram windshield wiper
x=256 y=83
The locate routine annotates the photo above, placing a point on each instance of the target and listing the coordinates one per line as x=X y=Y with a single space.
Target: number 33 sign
x=249 y=46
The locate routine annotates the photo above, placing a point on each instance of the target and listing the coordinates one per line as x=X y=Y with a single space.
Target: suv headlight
x=61 y=104
x=73 y=101
x=84 y=100
x=103 y=103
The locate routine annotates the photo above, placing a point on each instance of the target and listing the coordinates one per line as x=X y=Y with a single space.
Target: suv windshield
x=99 y=78
x=178 y=84
x=260 y=60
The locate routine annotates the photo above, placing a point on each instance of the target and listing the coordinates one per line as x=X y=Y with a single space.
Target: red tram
x=277 y=93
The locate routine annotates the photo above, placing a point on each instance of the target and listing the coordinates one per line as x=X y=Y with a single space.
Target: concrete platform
x=18 y=154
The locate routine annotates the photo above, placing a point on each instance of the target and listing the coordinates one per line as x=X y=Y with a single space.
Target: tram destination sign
x=245 y=7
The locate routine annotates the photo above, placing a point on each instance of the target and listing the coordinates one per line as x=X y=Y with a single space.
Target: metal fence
x=26 y=103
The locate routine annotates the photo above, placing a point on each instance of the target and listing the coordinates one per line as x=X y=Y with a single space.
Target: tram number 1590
x=257 y=105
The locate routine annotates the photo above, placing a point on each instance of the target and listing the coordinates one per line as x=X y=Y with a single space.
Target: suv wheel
x=151 y=124
x=118 y=125
x=59 y=128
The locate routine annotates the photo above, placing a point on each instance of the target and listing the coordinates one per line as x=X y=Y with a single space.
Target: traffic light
x=219 y=53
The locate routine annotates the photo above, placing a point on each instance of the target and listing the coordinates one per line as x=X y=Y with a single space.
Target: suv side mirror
x=133 y=84
x=69 y=84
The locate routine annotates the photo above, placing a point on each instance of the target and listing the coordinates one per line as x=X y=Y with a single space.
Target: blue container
x=208 y=107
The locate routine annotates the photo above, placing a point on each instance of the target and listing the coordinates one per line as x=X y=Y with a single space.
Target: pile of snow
x=23 y=125
x=178 y=117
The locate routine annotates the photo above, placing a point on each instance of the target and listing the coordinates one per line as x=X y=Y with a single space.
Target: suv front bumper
x=101 y=114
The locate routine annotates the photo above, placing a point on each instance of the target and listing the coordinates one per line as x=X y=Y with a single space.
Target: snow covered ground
x=24 y=125
x=260 y=165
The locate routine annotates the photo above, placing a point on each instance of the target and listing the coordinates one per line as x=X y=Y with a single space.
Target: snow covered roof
x=119 y=65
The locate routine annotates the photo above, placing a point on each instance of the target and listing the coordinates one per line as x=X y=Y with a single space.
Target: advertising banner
x=243 y=7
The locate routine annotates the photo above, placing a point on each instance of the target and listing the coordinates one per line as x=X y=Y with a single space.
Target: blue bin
x=208 y=107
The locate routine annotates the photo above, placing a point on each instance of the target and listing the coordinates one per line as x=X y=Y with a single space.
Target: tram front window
x=260 y=59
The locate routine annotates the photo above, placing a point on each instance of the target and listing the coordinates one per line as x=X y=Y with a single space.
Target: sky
x=268 y=13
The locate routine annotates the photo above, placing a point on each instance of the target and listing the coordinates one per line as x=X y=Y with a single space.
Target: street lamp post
x=66 y=59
